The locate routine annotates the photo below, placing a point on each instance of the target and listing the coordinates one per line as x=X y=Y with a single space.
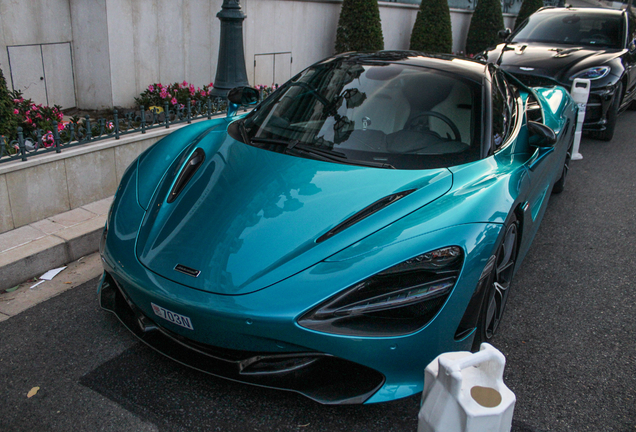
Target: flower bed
x=177 y=94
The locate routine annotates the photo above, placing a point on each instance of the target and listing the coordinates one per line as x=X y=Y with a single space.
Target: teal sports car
x=364 y=218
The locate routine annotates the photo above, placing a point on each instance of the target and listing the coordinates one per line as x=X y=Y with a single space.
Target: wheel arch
x=468 y=323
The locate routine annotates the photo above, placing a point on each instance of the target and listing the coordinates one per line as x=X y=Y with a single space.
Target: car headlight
x=396 y=301
x=592 y=73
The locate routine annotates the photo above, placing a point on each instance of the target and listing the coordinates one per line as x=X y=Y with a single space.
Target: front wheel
x=559 y=186
x=498 y=286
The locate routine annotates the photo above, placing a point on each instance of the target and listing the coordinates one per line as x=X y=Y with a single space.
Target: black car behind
x=561 y=44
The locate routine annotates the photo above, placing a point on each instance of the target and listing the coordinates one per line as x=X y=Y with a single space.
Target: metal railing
x=85 y=131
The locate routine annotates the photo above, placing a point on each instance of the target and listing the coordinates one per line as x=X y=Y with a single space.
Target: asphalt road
x=568 y=336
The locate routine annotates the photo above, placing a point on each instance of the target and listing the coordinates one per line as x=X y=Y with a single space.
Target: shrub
x=34 y=118
x=432 y=30
x=175 y=94
x=359 y=27
x=484 y=26
x=8 y=116
x=528 y=7
x=266 y=90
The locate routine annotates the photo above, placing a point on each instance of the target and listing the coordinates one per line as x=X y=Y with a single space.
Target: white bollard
x=580 y=92
x=465 y=392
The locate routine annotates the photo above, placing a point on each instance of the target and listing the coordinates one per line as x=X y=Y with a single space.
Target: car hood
x=559 y=62
x=249 y=217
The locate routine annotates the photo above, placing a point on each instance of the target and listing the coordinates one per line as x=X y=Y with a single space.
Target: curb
x=55 y=250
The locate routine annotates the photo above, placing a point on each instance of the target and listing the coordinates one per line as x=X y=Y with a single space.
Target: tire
x=560 y=183
x=612 y=114
x=498 y=287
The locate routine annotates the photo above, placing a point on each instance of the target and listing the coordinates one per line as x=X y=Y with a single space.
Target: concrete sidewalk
x=31 y=250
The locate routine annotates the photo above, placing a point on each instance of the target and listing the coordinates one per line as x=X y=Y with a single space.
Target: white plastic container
x=580 y=92
x=465 y=392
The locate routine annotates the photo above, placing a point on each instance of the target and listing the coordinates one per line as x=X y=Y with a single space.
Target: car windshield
x=377 y=114
x=572 y=29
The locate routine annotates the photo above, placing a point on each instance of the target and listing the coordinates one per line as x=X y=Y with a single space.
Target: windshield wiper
x=334 y=156
x=278 y=141
x=318 y=153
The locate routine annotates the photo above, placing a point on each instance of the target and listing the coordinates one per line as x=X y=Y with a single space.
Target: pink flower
x=151 y=88
x=60 y=116
x=60 y=127
x=48 y=139
x=16 y=101
x=163 y=93
x=159 y=85
x=16 y=111
x=192 y=91
x=173 y=101
x=202 y=94
x=181 y=106
x=109 y=125
x=184 y=83
x=192 y=102
x=210 y=85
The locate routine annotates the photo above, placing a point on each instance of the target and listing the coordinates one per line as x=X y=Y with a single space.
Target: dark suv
x=560 y=44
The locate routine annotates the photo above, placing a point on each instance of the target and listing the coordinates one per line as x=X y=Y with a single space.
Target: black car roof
x=585 y=11
x=464 y=67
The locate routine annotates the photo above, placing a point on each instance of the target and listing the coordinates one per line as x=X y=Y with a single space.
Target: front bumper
x=598 y=103
x=318 y=376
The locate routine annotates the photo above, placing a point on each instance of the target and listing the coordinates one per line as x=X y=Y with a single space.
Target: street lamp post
x=230 y=69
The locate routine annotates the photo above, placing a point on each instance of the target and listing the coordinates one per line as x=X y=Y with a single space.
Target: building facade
x=99 y=54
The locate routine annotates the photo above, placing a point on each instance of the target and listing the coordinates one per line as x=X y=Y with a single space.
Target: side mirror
x=543 y=135
x=239 y=96
x=504 y=34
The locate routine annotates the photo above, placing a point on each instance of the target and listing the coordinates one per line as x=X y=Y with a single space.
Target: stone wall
x=53 y=183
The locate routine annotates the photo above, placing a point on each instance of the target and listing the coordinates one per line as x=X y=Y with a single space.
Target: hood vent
x=364 y=213
x=191 y=167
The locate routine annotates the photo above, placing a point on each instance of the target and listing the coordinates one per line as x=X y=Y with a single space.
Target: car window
x=573 y=28
x=408 y=117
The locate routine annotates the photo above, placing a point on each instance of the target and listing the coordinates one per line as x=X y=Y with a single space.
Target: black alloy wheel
x=498 y=287
x=560 y=183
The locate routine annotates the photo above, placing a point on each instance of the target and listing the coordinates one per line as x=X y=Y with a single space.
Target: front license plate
x=173 y=317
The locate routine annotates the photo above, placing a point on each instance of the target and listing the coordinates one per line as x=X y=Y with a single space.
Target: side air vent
x=364 y=213
x=193 y=164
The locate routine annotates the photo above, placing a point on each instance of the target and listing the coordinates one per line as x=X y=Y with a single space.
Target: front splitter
x=321 y=377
